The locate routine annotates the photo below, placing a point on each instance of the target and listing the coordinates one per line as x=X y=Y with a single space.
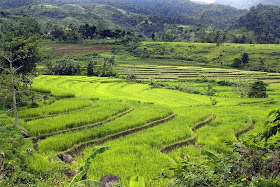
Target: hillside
x=195 y=13
x=262 y=19
x=112 y=17
x=247 y=4
x=7 y=4
x=77 y=15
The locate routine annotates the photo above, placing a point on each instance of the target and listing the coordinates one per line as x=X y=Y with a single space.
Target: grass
x=58 y=107
x=103 y=110
x=142 y=114
x=204 y=53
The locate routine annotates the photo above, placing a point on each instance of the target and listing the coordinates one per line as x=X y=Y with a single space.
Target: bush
x=226 y=83
x=237 y=63
x=20 y=165
x=258 y=90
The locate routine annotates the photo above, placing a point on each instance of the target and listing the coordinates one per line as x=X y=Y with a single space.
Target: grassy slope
x=208 y=53
x=188 y=54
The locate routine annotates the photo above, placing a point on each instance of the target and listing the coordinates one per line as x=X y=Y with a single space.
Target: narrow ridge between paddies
x=250 y=126
x=190 y=141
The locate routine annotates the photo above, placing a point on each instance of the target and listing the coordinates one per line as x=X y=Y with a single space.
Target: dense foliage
x=7 y=4
x=264 y=21
x=258 y=90
x=184 y=11
x=70 y=23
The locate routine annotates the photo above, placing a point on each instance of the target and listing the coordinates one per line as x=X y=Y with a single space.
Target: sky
x=207 y=1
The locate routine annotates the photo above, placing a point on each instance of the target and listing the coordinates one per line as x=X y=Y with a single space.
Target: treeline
x=69 y=34
x=74 y=34
x=72 y=67
x=210 y=35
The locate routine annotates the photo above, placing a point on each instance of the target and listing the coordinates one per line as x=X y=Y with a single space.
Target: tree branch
x=9 y=59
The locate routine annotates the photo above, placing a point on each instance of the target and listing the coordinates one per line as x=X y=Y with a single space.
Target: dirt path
x=80 y=49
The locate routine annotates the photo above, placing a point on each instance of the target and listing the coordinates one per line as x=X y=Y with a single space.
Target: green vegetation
x=232 y=116
x=20 y=164
x=142 y=114
x=257 y=20
x=101 y=111
x=253 y=161
x=80 y=77
x=59 y=106
x=77 y=180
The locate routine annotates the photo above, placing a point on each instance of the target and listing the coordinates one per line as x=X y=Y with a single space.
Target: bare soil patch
x=61 y=49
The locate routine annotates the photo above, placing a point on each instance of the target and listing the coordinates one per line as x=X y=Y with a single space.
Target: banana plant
x=77 y=179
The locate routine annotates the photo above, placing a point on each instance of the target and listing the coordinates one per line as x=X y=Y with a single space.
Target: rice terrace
x=95 y=95
x=140 y=120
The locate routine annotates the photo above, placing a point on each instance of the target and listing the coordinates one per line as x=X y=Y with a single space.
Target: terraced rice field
x=171 y=73
x=139 y=122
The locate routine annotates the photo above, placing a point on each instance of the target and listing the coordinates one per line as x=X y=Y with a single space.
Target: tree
x=258 y=90
x=18 y=59
x=57 y=33
x=153 y=36
x=90 y=68
x=236 y=63
x=107 y=67
x=245 y=58
x=221 y=38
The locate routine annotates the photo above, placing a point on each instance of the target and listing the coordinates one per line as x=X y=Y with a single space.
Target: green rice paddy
x=94 y=108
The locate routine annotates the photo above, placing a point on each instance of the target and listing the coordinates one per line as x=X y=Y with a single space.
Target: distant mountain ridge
x=216 y=16
x=247 y=4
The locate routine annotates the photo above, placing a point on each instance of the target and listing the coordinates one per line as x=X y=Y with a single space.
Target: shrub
x=237 y=63
x=258 y=90
x=245 y=58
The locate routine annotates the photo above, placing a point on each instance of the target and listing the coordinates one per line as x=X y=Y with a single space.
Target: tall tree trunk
x=14 y=94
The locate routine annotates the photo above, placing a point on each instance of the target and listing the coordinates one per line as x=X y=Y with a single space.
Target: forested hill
x=102 y=16
x=77 y=15
x=262 y=19
x=7 y=4
x=148 y=16
x=217 y=16
x=246 y=4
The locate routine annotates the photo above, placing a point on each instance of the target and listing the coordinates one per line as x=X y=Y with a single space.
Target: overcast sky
x=207 y=1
